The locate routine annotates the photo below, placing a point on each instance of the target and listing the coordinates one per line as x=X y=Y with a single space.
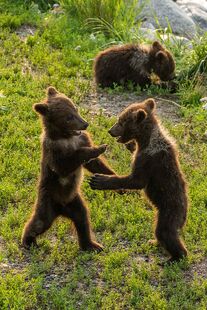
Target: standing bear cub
x=155 y=169
x=133 y=62
x=65 y=150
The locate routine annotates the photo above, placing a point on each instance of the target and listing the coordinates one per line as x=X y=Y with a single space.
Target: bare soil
x=198 y=269
x=111 y=104
x=24 y=31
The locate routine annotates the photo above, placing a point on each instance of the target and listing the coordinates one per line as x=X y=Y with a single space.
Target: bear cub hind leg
x=77 y=211
x=40 y=221
x=168 y=236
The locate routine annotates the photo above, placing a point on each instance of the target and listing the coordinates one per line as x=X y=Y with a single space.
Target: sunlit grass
x=127 y=275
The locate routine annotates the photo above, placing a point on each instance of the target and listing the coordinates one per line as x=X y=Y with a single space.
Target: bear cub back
x=133 y=62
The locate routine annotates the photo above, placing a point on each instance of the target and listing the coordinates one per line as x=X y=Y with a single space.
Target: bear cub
x=135 y=63
x=66 y=148
x=155 y=169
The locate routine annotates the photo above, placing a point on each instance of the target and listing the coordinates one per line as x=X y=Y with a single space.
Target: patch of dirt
x=24 y=31
x=14 y=268
x=198 y=269
x=113 y=104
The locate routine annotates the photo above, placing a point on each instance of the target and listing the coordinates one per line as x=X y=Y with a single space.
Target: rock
x=173 y=39
x=55 y=6
x=77 y=48
x=204 y=100
x=148 y=25
x=167 y=11
x=56 y=9
x=205 y=106
x=151 y=34
x=148 y=33
x=92 y=37
x=196 y=10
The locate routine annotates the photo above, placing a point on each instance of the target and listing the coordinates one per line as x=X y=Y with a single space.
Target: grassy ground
x=127 y=275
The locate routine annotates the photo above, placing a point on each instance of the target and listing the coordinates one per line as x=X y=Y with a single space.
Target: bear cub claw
x=92 y=246
x=98 y=181
x=29 y=242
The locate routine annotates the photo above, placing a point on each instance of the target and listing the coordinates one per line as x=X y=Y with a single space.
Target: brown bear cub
x=155 y=169
x=65 y=150
x=133 y=62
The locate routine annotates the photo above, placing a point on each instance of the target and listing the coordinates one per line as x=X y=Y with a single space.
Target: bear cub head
x=59 y=115
x=163 y=63
x=134 y=122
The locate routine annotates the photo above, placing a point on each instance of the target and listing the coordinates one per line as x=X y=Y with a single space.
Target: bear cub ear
x=157 y=46
x=150 y=104
x=139 y=115
x=161 y=56
x=41 y=108
x=51 y=91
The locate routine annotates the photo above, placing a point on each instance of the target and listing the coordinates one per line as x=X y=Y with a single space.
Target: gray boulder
x=196 y=10
x=151 y=34
x=167 y=11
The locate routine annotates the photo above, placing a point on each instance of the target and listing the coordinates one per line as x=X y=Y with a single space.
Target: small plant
x=197 y=60
x=18 y=14
x=192 y=91
x=193 y=79
x=115 y=18
x=43 y=5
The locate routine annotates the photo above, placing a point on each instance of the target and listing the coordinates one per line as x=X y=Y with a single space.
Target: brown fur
x=64 y=152
x=155 y=169
x=135 y=63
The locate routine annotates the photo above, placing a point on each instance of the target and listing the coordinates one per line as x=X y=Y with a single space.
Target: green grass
x=113 y=17
x=127 y=275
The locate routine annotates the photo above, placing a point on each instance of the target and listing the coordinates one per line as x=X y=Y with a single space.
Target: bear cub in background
x=155 y=169
x=133 y=62
x=65 y=150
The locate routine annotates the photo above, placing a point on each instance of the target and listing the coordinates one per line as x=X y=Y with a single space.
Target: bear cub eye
x=70 y=117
